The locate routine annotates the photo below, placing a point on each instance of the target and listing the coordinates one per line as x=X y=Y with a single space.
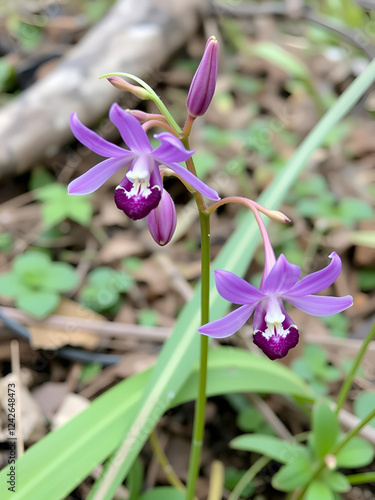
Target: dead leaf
x=50 y=396
x=121 y=244
x=154 y=275
x=48 y=337
x=365 y=256
x=71 y=406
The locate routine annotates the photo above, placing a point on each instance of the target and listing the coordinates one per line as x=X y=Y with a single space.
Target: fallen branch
x=136 y=36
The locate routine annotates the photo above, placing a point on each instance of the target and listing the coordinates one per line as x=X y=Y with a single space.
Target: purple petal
x=318 y=281
x=171 y=149
x=196 y=183
x=137 y=203
x=228 y=325
x=92 y=140
x=96 y=176
x=277 y=346
x=235 y=289
x=320 y=305
x=282 y=276
x=130 y=129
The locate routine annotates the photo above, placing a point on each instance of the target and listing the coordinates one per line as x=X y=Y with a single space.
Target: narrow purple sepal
x=320 y=305
x=170 y=149
x=320 y=280
x=282 y=276
x=97 y=176
x=92 y=140
x=235 y=289
x=130 y=129
x=194 y=181
x=203 y=85
x=230 y=324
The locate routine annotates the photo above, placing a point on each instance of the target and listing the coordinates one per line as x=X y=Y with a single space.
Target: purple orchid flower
x=274 y=331
x=141 y=189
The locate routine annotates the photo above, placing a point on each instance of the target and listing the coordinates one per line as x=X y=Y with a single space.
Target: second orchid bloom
x=274 y=330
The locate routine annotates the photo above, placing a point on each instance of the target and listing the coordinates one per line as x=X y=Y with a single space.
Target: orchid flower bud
x=122 y=84
x=202 y=87
x=162 y=220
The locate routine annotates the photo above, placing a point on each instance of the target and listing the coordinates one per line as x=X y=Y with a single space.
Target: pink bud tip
x=162 y=220
x=202 y=87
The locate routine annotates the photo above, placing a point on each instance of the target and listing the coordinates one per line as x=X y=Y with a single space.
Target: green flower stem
x=191 y=167
x=187 y=128
x=345 y=388
x=198 y=430
x=172 y=477
x=336 y=450
x=353 y=432
x=248 y=477
x=362 y=478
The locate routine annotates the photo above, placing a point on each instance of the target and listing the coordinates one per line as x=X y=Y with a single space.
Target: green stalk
x=361 y=478
x=248 y=477
x=161 y=457
x=345 y=388
x=353 y=432
x=198 y=430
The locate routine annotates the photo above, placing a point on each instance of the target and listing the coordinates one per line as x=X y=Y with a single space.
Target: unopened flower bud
x=122 y=84
x=330 y=461
x=142 y=116
x=202 y=87
x=162 y=220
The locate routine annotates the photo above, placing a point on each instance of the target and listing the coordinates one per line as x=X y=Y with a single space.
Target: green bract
x=35 y=283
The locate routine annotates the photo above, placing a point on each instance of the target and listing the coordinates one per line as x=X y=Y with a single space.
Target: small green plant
x=314 y=367
x=346 y=211
x=311 y=467
x=337 y=325
x=35 y=283
x=364 y=404
x=57 y=206
x=314 y=200
x=6 y=242
x=250 y=420
x=148 y=317
x=102 y=292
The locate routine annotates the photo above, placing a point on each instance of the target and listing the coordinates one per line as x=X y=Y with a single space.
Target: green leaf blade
x=325 y=428
x=270 y=446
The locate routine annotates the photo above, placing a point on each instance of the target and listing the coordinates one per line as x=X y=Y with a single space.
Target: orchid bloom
x=274 y=331
x=140 y=191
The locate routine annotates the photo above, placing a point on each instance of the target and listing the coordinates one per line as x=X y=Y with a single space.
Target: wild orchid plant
x=141 y=194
